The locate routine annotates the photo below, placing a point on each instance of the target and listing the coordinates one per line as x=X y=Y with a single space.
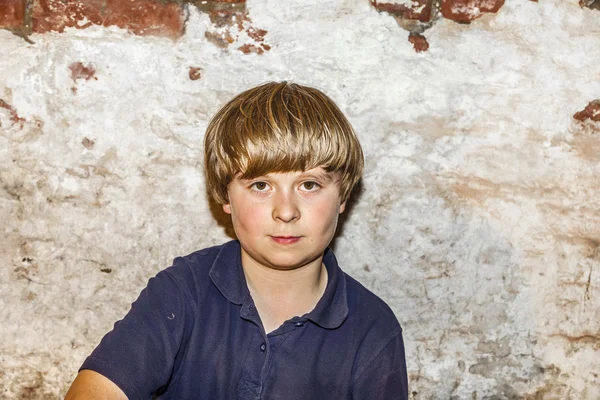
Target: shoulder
x=369 y=309
x=190 y=273
x=375 y=324
x=198 y=261
x=380 y=359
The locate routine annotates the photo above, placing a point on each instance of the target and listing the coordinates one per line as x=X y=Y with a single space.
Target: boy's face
x=286 y=220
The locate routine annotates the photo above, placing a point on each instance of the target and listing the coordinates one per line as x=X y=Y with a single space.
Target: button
x=263 y=347
x=299 y=324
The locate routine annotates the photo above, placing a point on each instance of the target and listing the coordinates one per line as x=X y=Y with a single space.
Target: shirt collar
x=227 y=274
x=329 y=313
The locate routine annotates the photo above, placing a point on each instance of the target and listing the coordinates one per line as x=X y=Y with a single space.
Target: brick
x=418 y=41
x=212 y=7
x=56 y=15
x=141 y=17
x=591 y=111
x=230 y=18
x=220 y=39
x=249 y=48
x=465 y=11
x=224 y=13
x=81 y=71
x=418 y=10
x=146 y=17
x=12 y=14
x=257 y=34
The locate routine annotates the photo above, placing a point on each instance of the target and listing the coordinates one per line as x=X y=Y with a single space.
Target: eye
x=310 y=186
x=259 y=186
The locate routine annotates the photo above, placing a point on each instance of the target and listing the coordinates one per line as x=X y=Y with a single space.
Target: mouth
x=285 y=239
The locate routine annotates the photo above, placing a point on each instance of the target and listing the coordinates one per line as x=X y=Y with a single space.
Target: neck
x=282 y=294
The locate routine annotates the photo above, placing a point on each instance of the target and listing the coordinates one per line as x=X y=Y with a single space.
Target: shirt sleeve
x=138 y=355
x=384 y=377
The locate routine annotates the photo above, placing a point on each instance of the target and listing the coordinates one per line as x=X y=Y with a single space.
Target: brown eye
x=310 y=186
x=259 y=186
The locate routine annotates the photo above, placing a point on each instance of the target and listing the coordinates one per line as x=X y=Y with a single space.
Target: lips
x=285 y=239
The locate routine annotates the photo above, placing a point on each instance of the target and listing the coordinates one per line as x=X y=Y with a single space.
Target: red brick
x=591 y=111
x=465 y=11
x=252 y=48
x=146 y=17
x=220 y=39
x=80 y=71
x=419 y=10
x=257 y=34
x=231 y=18
x=418 y=41
x=142 y=17
x=12 y=13
x=214 y=7
x=56 y=15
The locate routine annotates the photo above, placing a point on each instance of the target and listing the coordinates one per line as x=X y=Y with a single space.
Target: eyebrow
x=323 y=176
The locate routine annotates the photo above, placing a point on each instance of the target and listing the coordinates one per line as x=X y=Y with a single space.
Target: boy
x=271 y=315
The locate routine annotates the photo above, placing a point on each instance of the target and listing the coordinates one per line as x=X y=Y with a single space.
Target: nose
x=285 y=208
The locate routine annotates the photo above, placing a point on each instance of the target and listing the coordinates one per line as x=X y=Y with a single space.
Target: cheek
x=326 y=216
x=248 y=217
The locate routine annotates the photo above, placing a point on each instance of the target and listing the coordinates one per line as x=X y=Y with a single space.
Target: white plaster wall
x=478 y=219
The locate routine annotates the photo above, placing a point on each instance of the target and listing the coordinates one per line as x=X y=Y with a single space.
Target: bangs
x=287 y=148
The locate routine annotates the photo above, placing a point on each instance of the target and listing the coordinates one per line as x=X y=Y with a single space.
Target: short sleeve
x=138 y=355
x=384 y=377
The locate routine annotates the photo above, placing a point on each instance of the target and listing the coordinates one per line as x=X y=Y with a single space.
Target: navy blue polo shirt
x=194 y=333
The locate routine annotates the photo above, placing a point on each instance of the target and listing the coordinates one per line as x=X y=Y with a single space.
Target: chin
x=285 y=264
x=290 y=262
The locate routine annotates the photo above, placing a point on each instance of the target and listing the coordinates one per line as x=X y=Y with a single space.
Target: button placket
x=250 y=384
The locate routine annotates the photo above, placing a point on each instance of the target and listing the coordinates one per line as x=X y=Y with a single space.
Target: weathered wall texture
x=478 y=219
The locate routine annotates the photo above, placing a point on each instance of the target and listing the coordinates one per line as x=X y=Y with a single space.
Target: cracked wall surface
x=477 y=218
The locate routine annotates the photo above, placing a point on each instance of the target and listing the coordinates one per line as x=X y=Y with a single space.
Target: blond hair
x=279 y=127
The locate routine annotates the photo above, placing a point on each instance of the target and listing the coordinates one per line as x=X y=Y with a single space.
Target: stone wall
x=477 y=219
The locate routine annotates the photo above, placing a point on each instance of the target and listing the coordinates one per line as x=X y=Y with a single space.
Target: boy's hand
x=90 y=385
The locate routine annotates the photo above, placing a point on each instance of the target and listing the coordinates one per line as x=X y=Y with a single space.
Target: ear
x=342 y=207
x=227 y=208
